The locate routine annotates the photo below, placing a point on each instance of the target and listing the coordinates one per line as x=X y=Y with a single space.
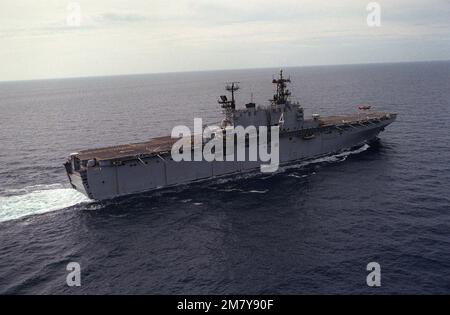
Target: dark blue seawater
x=311 y=228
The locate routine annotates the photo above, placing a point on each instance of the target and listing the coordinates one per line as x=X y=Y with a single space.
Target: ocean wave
x=17 y=203
x=339 y=157
x=254 y=191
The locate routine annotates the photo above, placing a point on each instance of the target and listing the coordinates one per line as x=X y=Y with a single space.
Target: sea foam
x=37 y=199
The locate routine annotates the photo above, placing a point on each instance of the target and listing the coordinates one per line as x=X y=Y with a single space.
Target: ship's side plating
x=110 y=178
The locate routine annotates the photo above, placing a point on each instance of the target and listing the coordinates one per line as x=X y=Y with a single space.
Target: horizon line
x=223 y=69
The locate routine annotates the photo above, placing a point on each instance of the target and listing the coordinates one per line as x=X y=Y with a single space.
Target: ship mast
x=229 y=105
x=281 y=97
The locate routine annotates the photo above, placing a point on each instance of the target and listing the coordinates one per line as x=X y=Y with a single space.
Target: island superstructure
x=109 y=172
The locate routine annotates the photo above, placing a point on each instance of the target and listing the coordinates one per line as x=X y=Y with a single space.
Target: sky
x=59 y=38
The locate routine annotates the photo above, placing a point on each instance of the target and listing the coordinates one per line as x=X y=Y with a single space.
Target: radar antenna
x=229 y=105
x=282 y=95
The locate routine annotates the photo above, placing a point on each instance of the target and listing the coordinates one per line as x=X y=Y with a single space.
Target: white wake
x=37 y=199
x=335 y=158
x=339 y=157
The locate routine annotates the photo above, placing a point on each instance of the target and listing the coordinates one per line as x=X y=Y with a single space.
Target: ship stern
x=77 y=177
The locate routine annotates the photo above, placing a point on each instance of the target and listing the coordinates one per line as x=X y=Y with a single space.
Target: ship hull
x=154 y=172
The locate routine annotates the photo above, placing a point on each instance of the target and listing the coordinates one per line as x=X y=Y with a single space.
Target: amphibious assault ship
x=109 y=172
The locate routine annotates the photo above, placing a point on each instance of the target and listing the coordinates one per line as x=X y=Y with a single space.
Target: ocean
x=310 y=228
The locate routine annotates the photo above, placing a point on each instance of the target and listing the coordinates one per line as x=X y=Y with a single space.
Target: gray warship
x=109 y=172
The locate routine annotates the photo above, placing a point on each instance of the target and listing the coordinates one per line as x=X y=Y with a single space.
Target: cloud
x=160 y=35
